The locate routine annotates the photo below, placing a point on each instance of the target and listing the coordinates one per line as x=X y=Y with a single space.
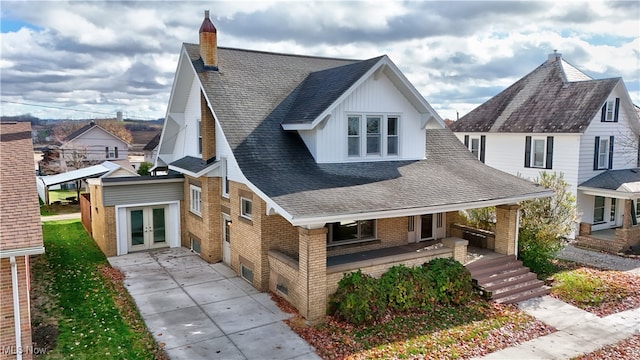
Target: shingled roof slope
x=20 y=222
x=280 y=165
x=613 y=179
x=79 y=132
x=543 y=101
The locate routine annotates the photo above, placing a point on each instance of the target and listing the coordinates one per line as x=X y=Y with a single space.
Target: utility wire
x=71 y=109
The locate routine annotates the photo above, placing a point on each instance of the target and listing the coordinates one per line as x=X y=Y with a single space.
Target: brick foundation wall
x=206 y=227
x=7 y=328
x=590 y=242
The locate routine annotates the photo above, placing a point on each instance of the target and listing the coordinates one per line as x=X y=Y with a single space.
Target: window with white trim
x=603 y=153
x=195 y=199
x=246 y=208
x=598 y=210
x=199 y=136
x=225 y=178
x=538 y=153
x=346 y=232
x=377 y=136
x=610 y=110
x=475 y=147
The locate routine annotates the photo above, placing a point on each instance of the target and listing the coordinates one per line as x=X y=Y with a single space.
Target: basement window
x=246 y=273
x=195 y=246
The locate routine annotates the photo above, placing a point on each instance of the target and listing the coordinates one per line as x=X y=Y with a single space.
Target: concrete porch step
x=505 y=280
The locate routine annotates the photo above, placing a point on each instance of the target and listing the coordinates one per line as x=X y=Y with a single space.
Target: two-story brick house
x=558 y=119
x=295 y=169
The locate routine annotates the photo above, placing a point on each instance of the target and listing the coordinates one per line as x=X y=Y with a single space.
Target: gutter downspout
x=16 y=307
x=517 y=231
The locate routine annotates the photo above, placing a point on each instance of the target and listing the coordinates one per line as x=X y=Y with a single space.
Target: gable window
x=246 y=208
x=603 y=153
x=225 y=179
x=598 y=210
x=111 y=152
x=476 y=145
x=392 y=135
x=354 y=135
x=538 y=152
x=610 y=111
x=199 y=136
x=376 y=136
x=373 y=135
x=195 y=199
x=350 y=231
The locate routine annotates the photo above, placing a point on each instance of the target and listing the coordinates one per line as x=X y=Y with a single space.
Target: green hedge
x=361 y=298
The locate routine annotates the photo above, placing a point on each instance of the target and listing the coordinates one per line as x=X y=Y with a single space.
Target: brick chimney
x=555 y=56
x=208 y=42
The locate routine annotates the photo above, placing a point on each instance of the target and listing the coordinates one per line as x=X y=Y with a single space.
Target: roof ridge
x=283 y=54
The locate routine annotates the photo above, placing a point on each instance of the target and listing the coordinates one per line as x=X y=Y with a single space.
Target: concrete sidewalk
x=579 y=332
x=205 y=311
x=70 y=216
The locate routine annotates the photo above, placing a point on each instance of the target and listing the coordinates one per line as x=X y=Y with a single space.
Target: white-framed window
x=638 y=208
x=225 y=178
x=538 y=157
x=246 y=208
x=538 y=152
x=377 y=136
x=610 y=110
x=111 y=152
x=392 y=135
x=195 y=199
x=195 y=245
x=612 y=217
x=603 y=153
x=353 y=134
x=346 y=232
x=475 y=147
x=246 y=273
x=598 y=210
x=199 y=136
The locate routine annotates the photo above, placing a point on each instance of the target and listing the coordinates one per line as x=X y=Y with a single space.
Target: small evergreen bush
x=358 y=300
x=451 y=281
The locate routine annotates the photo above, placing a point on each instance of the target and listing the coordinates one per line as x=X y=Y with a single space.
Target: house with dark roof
x=294 y=170
x=20 y=237
x=93 y=144
x=558 y=119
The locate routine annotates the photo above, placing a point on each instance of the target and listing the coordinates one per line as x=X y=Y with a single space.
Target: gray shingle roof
x=613 y=179
x=79 y=132
x=192 y=164
x=254 y=92
x=540 y=102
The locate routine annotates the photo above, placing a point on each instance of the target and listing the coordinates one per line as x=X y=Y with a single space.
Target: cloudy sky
x=89 y=59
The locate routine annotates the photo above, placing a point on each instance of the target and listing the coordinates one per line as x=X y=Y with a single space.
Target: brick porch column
x=506 y=229
x=313 y=272
x=627 y=222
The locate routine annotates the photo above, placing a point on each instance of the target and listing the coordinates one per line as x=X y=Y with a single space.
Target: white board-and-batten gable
x=385 y=92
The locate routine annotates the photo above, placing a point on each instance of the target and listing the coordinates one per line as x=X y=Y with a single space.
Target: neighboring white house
x=93 y=144
x=558 y=119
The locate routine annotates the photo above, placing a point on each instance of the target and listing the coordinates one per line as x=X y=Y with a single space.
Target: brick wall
x=103 y=222
x=207 y=226
x=7 y=328
x=207 y=129
x=505 y=233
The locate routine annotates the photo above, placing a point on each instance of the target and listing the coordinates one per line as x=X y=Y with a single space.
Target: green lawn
x=95 y=316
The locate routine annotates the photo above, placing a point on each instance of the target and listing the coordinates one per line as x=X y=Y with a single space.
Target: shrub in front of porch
x=362 y=299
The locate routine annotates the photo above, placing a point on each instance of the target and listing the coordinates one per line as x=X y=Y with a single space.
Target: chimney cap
x=207 y=25
x=555 y=56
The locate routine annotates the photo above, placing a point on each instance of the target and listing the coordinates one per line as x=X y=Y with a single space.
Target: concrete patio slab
x=195 y=275
x=182 y=327
x=218 y=348
x=271 y=341
x=149 y=283
x=241 y=314
x=206 y=311
x=162 y=301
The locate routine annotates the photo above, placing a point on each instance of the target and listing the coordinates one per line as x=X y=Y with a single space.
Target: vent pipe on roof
x=555 y=56
x=208 y=43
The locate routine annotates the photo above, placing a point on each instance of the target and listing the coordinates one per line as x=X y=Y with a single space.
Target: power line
x=71 y=109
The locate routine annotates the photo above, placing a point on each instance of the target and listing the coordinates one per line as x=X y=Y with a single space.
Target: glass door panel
x=159 y=234
x=137 y=227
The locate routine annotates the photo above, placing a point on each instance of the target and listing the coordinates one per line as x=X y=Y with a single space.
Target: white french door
x=147 y=227
x=226 y=239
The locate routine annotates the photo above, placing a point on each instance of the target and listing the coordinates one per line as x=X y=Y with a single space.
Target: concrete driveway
x=205 y=311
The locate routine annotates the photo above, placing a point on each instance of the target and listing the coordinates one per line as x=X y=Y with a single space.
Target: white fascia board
x=22 y=252
x=416 y=211
x=609 y=193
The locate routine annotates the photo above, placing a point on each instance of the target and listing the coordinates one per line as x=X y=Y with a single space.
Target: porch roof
x=450 y=178
x=623 y=184
x=194 y=166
